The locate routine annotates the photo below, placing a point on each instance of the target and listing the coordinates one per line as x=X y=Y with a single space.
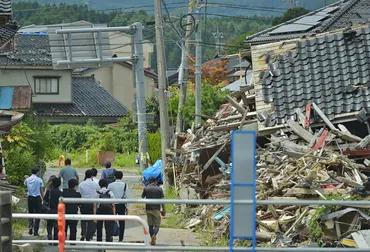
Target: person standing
x=108 y=172
x=104 y=209
x=52 y=197
x=120 y=191
x=152 y=191
x=88 y=189
x=67 y=173
x=95 y=174
x=72 y=208
x=35 y=192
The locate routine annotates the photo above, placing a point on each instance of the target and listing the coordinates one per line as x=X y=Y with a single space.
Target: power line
x=43 y=7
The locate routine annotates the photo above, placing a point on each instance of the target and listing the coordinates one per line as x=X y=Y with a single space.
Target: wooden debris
x=323 y=116
x=300 y=131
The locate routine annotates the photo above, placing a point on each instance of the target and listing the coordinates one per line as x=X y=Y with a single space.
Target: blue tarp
x=154 y=171
x=6 y=97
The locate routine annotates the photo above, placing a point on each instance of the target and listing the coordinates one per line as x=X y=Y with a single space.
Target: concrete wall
x=17 y=77
x=118 y=80
x=118 y=39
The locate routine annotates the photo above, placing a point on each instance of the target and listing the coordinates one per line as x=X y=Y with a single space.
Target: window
x=46 y=85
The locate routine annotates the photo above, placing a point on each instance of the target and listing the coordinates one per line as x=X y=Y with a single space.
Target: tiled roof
x=332 y=71
x=89 y=100
x=30 y=49
x=341 y=14
x=6 y=6
x=7 y=32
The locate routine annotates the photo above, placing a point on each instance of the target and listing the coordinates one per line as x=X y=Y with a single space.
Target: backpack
x=103 y=207
x=110 y=177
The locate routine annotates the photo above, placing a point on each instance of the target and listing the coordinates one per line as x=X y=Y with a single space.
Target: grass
x=173 y=218
x=19 y=226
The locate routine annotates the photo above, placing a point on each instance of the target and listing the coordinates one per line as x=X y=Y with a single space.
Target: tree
x=212 y=99
x=213 y=72
x=289 y=15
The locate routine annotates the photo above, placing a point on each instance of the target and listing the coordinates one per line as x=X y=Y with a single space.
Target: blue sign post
x=243 y=187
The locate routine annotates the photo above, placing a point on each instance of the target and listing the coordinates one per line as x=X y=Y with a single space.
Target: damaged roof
x=341 y=14
x=30 y=49
x=332 y=71
x=7 y=32
x=89 y=99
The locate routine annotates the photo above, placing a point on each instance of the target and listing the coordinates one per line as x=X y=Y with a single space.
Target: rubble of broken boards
x=296 y=163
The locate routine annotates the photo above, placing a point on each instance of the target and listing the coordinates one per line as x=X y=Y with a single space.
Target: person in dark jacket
x=152 y=191
x=104 y=209
x=52 y=197
x=72 y=208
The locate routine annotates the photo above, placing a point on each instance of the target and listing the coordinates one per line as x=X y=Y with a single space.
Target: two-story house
x=117 y=79
x=55 y=94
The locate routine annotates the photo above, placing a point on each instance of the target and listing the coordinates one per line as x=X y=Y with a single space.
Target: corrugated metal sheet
x=84 y=47
x=22 y=97
x=6 y=97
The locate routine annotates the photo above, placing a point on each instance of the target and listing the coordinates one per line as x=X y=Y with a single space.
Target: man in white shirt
x=88 y=189
x=120 y=191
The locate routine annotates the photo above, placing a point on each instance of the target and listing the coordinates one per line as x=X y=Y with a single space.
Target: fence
x=5 y=221
x=146 y=247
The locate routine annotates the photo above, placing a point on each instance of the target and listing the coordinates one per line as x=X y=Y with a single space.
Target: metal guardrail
x=5 y=221
x=146 y=247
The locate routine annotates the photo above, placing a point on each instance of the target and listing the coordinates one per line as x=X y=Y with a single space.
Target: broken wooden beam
x=210 y=161
x=235 y=104
x=323 y=116
x=363 y=143
x=346 y=136
x=300 y=131
x=230 y=126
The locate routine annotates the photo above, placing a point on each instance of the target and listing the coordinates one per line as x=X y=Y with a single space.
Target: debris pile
x=296 y=162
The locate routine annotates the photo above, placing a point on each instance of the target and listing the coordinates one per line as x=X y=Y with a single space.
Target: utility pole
x=183 y=71
x=218 y=36
x=198 y=67
x=162 y=85
x=138 y=66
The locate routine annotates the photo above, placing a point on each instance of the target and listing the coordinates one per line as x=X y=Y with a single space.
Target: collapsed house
x=309 y=103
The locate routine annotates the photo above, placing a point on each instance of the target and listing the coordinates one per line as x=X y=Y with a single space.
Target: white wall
x=118 y=80
x=118 y=40
x=17 y=77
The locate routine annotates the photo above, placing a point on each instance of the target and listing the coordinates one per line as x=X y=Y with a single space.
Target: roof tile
x=89 y=99
x=333 y=72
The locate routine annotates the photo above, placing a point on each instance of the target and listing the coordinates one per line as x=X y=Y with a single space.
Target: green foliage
x=212 y=99
x=314 y=225
x=125 y=160
x=19 y=162
x=26 y=144
x=154 y=146
x=152 y=107
x=289 y=15
x=109 y=144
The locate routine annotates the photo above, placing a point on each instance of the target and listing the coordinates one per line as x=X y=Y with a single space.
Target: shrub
x=19 y=163
x=154 y=146
x=109 y=144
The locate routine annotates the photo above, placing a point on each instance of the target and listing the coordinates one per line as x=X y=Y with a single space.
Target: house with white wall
x=55 y=95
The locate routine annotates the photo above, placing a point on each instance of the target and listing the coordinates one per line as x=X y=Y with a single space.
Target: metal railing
x=146 y=247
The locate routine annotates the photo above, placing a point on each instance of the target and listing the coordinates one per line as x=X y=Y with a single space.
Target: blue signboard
x=243 y=187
